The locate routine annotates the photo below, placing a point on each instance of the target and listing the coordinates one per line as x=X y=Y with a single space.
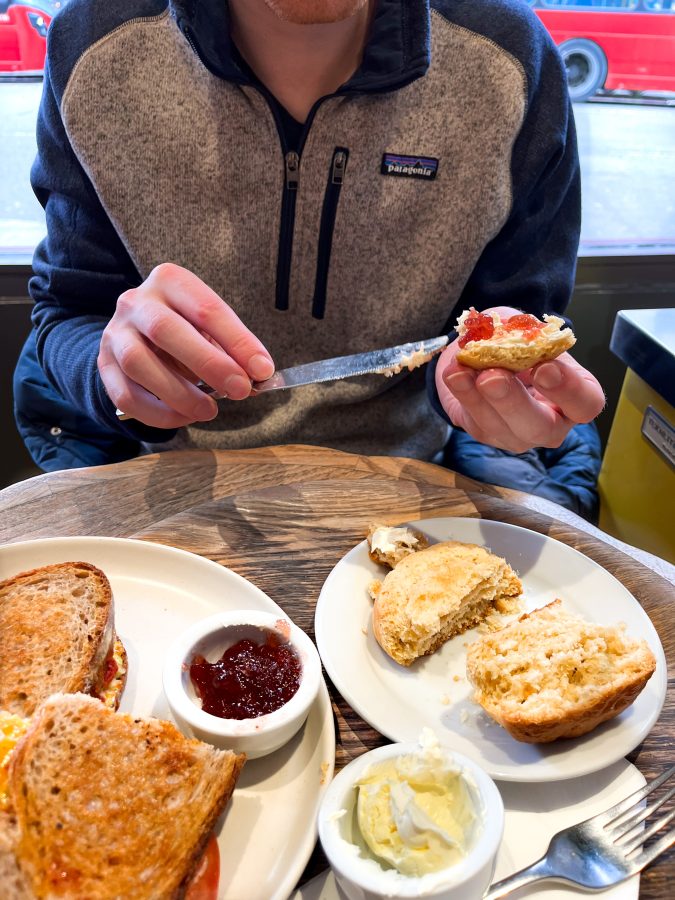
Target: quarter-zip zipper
x=292 y=179
x=291 y=183
x=336 y=177
x=290 y=192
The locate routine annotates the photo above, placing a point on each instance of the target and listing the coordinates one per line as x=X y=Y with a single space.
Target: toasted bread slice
x=57 y=633
x=110 y=806
x=437 y=593
x=514 y=350
x=552 y=675
x=388 y=544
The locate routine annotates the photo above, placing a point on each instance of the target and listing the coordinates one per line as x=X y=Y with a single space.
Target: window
x=23 y=32
x=620 y=61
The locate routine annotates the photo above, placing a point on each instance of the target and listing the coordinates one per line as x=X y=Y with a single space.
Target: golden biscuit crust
x=436 y=593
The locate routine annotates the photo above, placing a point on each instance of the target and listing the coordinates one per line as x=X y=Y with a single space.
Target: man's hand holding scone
x=517 y=410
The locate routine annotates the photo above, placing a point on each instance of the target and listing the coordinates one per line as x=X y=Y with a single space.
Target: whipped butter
x=416 y=813
x=389 y=539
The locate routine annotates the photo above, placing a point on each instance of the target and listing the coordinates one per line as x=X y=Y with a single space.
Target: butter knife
x=389 y=361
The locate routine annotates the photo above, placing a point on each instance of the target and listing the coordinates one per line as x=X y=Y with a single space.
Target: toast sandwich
x=104 y=805
x=57 y=634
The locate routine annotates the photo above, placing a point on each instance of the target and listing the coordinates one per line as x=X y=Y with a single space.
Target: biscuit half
x=504 y=352
x=551 y=674
x=437 y=593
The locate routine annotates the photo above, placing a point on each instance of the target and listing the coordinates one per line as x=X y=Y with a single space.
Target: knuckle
x=126 y=301
x=156 y=326
x=164 y=271
x=129 y=357
x=204 y=309
x=212 y=369
x=190 y=408
x=241 y=345
x=122 y=399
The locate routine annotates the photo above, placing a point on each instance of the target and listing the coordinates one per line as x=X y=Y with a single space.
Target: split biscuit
x=515 y=350
x=437 y=593
x=551 y=674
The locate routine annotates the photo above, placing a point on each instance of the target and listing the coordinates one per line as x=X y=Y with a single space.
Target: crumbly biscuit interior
x=539 y=664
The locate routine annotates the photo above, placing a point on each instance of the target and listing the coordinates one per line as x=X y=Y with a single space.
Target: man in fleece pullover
x=231 y=186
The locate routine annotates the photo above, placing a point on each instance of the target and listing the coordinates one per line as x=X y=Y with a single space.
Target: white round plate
x=533 y=814
x=269 y=830
x=399 y=701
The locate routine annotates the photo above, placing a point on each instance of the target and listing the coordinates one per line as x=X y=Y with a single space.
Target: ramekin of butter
x=411 y=820
x=242 y=680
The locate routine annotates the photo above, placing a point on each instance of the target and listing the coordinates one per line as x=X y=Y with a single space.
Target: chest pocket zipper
x=331 y=200
x=292 y=167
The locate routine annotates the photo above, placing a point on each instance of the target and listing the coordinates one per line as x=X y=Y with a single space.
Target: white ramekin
x=209 y=638
x=363 y=878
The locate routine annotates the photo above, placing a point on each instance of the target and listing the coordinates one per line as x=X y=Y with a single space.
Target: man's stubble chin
x=315 y=12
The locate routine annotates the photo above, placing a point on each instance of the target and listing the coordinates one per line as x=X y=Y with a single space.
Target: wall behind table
x=603 y=287
x=15 y=309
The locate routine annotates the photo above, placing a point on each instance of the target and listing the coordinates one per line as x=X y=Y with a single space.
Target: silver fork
x=603 y=850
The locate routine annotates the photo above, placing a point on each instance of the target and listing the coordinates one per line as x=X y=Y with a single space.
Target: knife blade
x=388 y=361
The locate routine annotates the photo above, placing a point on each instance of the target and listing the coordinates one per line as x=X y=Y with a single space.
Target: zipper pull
x=339 y=167
x=292 y=170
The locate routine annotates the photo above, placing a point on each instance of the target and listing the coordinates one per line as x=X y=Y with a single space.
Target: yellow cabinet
x=637 y=478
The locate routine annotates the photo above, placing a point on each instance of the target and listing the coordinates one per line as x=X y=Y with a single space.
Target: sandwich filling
x=113 y=675
x=12 y=729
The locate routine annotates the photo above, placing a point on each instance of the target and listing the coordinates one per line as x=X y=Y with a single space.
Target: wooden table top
x=286 y=515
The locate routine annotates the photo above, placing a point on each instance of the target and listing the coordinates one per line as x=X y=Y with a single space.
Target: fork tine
x=639 y=862
x=614 y=812
x=644 y=835
x=629 y=825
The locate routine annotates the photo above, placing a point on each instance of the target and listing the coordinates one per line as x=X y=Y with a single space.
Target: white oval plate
x=269 y=830
x=399 y=701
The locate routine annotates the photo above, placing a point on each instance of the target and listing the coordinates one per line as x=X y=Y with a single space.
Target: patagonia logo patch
x=409 y=166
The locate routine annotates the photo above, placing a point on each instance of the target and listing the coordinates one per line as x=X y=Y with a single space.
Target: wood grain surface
x=283 y=516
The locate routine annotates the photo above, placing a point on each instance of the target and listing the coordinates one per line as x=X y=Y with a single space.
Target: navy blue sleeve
x=531 y=263
x=80 y=269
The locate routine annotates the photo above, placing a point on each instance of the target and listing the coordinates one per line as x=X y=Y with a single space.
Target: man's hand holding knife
x=173 y=333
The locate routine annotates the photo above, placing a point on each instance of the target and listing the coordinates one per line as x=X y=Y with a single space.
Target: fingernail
x=260 y=367
x=548 y=377
x=495 y=388
x=237 y=387
x=459 y=382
